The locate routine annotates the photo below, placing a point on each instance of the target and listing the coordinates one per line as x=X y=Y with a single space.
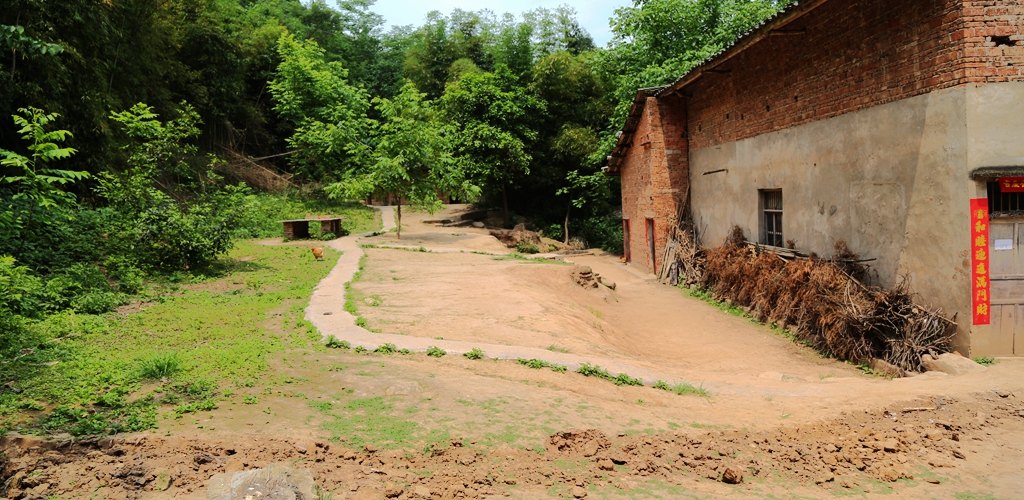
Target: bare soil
x=791 y=423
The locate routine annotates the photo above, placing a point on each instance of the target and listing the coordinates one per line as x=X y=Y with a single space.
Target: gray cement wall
x=891 y=180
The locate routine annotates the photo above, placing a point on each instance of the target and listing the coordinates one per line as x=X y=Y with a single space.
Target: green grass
x=435 y=352
x=216 y=328
x=359 y=421
x=539 y=363
x=588 y=370
x=557 y=348
x=986 y=361
x=683 y=388
x=529 y=260
x=266 y=209
x=474 y=353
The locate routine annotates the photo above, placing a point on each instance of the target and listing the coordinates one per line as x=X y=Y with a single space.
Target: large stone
x=276 y=482
x=950 y=363
x=732 y=476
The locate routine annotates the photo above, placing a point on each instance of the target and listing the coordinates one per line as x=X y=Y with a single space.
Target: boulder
x=950 y=363
x=478 y=224
x=276 y=482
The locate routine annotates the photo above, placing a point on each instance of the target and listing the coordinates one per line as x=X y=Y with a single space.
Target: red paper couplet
x=1011 y=184
x=979 y=261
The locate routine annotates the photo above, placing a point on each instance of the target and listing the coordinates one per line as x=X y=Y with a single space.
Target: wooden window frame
x=770 y=218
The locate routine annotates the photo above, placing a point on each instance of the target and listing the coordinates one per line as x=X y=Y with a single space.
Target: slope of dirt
x=912 y=448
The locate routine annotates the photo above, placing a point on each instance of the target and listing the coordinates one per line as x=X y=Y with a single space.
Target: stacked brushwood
x=826 y=303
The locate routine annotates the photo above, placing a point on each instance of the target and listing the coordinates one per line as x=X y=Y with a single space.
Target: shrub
x=158 y=366
x=334 y=343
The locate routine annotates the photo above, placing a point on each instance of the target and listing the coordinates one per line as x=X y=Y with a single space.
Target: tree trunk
x=399 y=217
x=567 y=209
x=504 y=199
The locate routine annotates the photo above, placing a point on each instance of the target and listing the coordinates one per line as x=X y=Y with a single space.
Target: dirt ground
x=793 y=424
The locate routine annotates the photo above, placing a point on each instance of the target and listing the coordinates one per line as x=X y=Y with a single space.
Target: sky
x=592 y=14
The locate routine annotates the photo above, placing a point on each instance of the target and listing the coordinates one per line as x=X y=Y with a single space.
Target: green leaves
x=328 y=114
x=412 y=157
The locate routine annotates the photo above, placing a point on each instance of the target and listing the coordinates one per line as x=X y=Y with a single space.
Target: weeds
x=986 y=361
x=556 y=348
x=474 y=353
x=588 y=370
x=334 y=343
x=683 y=388
x=386 y=348
x=360 y=349
x=539 y=363
x=159 y=366
x=435 y=352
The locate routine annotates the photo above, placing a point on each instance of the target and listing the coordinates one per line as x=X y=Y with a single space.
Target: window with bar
x=771 y=217
x=1002 y=204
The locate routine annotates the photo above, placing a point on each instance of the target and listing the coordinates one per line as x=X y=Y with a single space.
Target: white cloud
x=593 y=15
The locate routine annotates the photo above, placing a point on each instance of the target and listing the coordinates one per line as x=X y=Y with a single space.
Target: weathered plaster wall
x=891 y=180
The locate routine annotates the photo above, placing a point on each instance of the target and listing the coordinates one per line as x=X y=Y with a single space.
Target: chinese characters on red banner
x=979 y=260
x=1011 y=184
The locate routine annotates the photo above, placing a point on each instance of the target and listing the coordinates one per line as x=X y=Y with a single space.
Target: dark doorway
x=651 y=259
x=625 y=240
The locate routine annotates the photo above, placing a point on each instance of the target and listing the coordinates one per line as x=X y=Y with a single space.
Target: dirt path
x=375 y=425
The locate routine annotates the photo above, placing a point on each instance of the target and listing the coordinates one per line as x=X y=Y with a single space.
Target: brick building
x=872 y=121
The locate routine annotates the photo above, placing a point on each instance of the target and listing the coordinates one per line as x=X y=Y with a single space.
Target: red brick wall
x=855 y=54
x=655 y=175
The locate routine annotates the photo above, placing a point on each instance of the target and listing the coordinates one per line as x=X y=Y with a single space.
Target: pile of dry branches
x=826 y=303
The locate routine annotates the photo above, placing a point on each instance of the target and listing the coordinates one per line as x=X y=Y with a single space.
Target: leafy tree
x=494 y=126
x=411 y=159
x=656 y=41
x=159 y=226
x=328 y=113
x=36 y=187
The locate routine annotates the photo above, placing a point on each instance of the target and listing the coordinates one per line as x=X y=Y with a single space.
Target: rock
x=585 y=270
x=891 y=446
x=421 y=491
x=478 y=224
x=162 y=481
x=276 y=482
x=370 y=447
x=578 y=492
x=885 y=368
x=732 y=476
x=605 y=464
x=392 y=490
x=951 y=363
x=609 y=284
x=824 y=477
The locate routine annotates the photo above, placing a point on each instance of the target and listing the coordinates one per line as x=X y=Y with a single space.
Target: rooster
x=318 y=253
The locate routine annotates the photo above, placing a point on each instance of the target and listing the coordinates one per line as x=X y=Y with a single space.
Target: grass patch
x=386 y=348
x=986 y=361
x=203 y=326
x=160 y=366
x=530 y=260
x=682 y=388
x=557 y=348
x=359 y=421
